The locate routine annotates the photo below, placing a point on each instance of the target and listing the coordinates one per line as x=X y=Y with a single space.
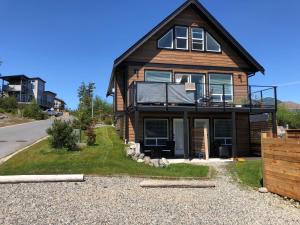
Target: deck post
x=234 y=150
x=186 y=135
x=136 y=131
x=274 y=124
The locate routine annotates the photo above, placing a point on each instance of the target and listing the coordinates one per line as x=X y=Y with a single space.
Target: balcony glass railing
x=201 y=95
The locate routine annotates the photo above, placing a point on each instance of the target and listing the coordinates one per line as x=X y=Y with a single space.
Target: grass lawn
x=107 y=157
x=249 y=172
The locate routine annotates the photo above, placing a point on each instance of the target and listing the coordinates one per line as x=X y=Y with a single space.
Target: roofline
x=210 y=18
x=37 y=78
x=59 y=100
x=14 y=76
x=50 y=92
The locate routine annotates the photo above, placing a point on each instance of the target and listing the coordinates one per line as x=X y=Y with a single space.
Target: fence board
x=281 y=165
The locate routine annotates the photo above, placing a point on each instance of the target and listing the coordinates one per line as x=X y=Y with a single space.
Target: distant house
x=59 y=104
x=26 y=89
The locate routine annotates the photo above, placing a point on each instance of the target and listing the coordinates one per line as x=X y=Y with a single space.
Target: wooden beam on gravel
x=177 y=184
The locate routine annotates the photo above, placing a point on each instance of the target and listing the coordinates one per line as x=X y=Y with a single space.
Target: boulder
x=155 y=162
x=162 y=164
x=140 y=160
x=141 y=156
x=130 y=152
x=263 y=190
x=165 y=161
x=147 y=160
x=137 y=155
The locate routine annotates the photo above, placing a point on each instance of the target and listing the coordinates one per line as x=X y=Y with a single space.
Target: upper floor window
x=197 y=79
x=181 y=38
x=158 y=76
x=221 y=88
x=198 y=39
x=211 y=44
x=167 y=40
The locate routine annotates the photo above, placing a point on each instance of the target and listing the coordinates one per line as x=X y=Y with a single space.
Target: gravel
x=120 y=200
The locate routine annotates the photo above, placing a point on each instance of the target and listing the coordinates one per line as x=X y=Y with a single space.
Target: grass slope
x=107 y=157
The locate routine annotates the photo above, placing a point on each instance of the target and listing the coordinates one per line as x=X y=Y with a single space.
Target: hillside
x=291 y=105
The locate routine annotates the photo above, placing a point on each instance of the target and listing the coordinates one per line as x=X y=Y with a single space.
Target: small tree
x=62 y=135
x=91 y=136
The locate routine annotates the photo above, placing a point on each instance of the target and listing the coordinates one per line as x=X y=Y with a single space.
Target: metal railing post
x=275 y=96
x=224 y=103
x=250 y=98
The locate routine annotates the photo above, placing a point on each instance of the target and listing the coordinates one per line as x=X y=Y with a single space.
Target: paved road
x=19 y=136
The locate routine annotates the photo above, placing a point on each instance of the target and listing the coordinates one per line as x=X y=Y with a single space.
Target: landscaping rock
x=155 y=162
x=263 y=190
x=165 y=161
x=147 y=160
x=81 y=145
x=140 y=160
x=141 y=156
x=130 y=152
x=137 y=155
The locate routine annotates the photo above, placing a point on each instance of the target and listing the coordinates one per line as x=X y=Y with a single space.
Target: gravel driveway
x=122 y=201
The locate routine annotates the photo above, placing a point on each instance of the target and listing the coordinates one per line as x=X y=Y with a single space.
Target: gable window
x=156 y=132
x=211 y=44
x=158 y=76
x=216 y=83
x=223 y=131
x=181 y=38
x=198 y=39
x=166 y=41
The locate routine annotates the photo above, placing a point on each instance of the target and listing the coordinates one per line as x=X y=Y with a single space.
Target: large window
x=181 y=38
x=158 y=76
x=223 y=132
x=197 y=39
x=166 y=41
x=219 y=83
x=198 y=79
x=156 y=132
x=211 y=44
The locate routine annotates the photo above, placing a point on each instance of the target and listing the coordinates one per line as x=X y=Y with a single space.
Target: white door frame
x=206 y=133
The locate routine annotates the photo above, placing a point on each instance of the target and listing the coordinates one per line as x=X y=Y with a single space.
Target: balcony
x=157 y=96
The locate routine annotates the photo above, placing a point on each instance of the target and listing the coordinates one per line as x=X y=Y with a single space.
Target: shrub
x=9 y=104
x=107 y=121
x=91 y=136
x=83 y=120
x=62 y=135
x=33 y=111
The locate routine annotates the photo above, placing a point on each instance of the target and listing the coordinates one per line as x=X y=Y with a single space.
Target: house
x=184 y=89
x=59 y=104
x=18 y=86
x=26 y=89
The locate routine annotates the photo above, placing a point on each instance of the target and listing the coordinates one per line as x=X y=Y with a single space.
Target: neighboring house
x=59 y=104
x=27 y=89
x=18 y=86
x=184 y=87
x=48 y=99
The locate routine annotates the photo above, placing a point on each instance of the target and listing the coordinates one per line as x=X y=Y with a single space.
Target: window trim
x=220 y=48
x=155 y=138
x=221 y=95
x=198 y=39
x=164 y=71
x=172 y=33
x=222 y=138
x=182 y=38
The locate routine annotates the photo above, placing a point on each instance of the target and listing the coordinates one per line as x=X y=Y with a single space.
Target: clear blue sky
x=69 y=41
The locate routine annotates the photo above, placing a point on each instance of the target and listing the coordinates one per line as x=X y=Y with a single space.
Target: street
x=17 y=137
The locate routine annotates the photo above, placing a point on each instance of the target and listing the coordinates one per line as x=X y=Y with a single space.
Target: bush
x=83 y=120
x=33 y=111
x=91 y=136
x=62 y=135
x=9 y=104
x=107 y=121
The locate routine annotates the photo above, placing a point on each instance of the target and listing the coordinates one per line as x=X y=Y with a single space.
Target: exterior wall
x=241 y=121
x=119 y=92
x=189 y=17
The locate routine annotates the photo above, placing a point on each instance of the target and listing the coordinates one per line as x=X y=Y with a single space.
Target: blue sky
x=69 y=41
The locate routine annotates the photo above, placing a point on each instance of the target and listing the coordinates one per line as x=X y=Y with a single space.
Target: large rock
x=155 y=162
x=140 y=160
x=141 y=156
x=130 y=152
x=137 y=155
x=165 y=161
x=147 y=160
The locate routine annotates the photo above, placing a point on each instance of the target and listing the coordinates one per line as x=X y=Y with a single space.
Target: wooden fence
x=281 y=166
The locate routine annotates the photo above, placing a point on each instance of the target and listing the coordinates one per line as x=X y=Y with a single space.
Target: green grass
x=107 y=157
x=249 y=172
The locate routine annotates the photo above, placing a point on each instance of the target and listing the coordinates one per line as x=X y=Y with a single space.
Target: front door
x=178 y=136
x=201 y=137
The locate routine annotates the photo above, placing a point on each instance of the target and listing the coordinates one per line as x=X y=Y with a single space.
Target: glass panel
x=156 y=128
x=181 y=43
x=223 y=128
x=199 y=81
x=198 y=46
x=162 y=142
x=181 y=32
x=150 y=142
x=216 y=82
x=212 y=44
x=158 y=76
x=197 y=33
x=167 y=40
x=182 y=78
